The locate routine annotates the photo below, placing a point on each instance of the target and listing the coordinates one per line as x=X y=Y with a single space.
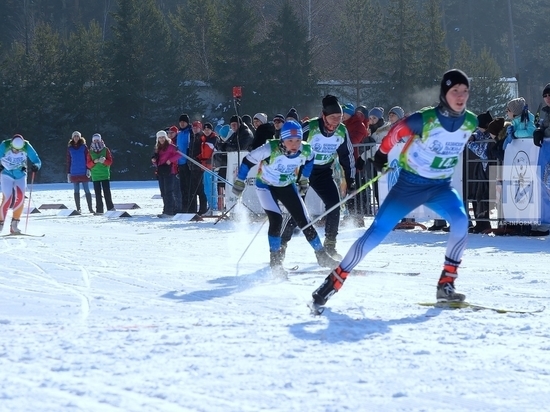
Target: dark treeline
x=126 y=68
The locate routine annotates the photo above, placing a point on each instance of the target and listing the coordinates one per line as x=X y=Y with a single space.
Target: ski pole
x=348 y=197
x=224 y=214
x=252 y=241
x=29 y=206
x=207 y=169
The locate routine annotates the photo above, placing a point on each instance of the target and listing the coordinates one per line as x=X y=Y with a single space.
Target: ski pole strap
x=348 y=197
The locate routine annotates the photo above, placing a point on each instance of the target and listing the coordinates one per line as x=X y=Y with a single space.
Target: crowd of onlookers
x=184 y=151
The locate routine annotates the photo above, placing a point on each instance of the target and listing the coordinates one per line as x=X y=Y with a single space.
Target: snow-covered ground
x=143 y=314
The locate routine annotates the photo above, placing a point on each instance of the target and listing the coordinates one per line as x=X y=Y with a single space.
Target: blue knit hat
x=377 y=112
x=348 y=109
x=291 y=130
x=398 y=111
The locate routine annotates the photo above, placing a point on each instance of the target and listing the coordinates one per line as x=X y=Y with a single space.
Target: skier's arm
x=253 y=158
x=409 y=126
x=346 y=158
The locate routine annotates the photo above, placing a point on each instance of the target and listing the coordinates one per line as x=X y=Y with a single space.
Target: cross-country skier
x=279 y=162
x=329 y=140
x=14 y=153
x=438 y=137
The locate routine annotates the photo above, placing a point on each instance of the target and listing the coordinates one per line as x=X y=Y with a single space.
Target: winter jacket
x=165 y=153
x=15 y=164
x=100 y=171
x=182 y=139
x=207 y=150
x=524 y=129
x=77 y=157
x=380 y=132
x=357 y=132
x=263 y=133
x=238 y=141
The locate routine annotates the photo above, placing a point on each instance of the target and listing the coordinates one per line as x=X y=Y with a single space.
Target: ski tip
x=476 y=307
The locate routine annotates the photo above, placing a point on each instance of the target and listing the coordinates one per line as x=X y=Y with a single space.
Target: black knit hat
x=452 y=78
x=331 y=105
x=293 y=113
x=484 y=119
x=546 y=89
x=234 y=119
x=184 y=118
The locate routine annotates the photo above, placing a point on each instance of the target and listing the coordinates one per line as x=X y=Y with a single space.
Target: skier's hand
x=303 y=186
x=68 y=178
x=538 y=136
x=379 y=161
x=350 y=185
x=34 y=168
x=238 y=187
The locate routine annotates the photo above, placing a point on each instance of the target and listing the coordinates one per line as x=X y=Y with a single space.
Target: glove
x=360 y=164
x=350 y=185
x=34 y=168
x=101 y=159
x=538 y=136
x=238 y=187
x=68 y=178
x=303 y=185
x=23 y=169
x=379 y=160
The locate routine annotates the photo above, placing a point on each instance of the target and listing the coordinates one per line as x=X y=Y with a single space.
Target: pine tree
x=289 y=80
x=358 y=29
x=402 y=52
x=235 y=61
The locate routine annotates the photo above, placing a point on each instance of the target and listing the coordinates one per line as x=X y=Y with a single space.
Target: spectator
x=172 y=133
x=377 y=125
x=293 y=115
x=278 y=121
x=476 y=185
x=165 y=159
x=248 y=121
x=264 y=130
x=77 y=170
x=196 y=185
x=207 y=159
x=184 y=173
x=523 y=121
x=99 y=162
x=358 y=134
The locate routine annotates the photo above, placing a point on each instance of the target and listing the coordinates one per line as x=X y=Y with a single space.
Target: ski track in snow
x=140 y=314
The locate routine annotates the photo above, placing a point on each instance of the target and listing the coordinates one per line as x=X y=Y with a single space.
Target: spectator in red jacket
x=358 y=134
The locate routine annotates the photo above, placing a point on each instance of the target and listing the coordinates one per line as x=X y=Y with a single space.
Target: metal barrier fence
x=480 y=193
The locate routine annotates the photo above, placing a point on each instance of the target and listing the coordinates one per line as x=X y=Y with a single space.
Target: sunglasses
x=546 y=95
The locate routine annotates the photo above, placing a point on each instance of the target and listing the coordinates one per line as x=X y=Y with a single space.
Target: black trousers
x=322 y=181
x=105 y=186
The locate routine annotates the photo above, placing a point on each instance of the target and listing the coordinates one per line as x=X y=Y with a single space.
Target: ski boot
x=276 y=264
x=14 y=230
x=446 y=291
x=325 y=260
x=330 y=247
x=332 y=284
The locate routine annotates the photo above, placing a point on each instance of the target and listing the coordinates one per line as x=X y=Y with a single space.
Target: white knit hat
x=262 y=117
